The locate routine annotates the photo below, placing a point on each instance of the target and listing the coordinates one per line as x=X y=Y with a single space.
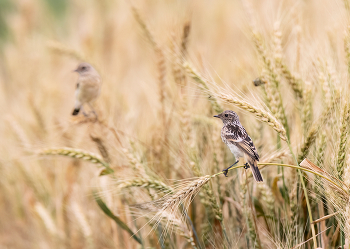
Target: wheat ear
x=315 y=128
x=74 y=153
x=261 y=114
x=145 y=183
x=344 y=131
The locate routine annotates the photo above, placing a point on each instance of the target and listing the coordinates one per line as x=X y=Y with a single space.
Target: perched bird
x=237 y=139
x=88 y=87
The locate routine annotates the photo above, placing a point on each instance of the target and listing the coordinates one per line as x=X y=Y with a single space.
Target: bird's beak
x=216 y=116
x=76 y=70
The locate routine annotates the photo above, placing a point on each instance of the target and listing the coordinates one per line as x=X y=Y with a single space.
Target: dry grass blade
x=47 y=219
x=101 y=147
x=184 y=41
x=310 y=165
x=299 y=245
x=83 y=223
x=324 y=218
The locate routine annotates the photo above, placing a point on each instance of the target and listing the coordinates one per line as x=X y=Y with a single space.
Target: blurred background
x=149 y=117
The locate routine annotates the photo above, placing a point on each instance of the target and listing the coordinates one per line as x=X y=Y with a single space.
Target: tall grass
x=148 y=172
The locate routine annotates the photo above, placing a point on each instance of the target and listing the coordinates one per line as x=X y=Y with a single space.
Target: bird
x=239 y=142
x=88 y=87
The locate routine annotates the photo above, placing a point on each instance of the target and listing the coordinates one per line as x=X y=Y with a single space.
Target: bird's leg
x=93 y=110
x=83 y=111
x=226 y=170
x=246 y=166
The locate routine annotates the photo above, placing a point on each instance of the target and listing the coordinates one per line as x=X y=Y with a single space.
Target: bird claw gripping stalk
x=225 y=172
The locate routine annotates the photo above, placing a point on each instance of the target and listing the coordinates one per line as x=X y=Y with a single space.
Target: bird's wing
x=234 y=133
x=237 y=135
x=77 y=85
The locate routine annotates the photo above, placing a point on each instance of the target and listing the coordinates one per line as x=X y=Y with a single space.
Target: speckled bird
x=241 y=145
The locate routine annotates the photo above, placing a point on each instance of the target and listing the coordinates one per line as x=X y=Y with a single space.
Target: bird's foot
x=246 y=166
x=225 y=171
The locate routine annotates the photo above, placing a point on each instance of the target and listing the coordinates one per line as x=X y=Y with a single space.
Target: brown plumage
x=88 y=87
x=237 y=139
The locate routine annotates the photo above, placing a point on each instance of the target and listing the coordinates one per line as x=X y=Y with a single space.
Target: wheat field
x=147 y=173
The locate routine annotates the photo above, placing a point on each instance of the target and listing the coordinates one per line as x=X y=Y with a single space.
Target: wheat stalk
x=83 y=223
x=47 y=219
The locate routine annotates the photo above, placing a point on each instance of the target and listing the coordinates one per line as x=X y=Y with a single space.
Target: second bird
x=88 y=87
x=237 y=139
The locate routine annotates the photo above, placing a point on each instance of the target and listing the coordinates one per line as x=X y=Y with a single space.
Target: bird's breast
x=237 y=152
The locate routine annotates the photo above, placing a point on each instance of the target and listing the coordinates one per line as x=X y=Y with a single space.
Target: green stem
x=119 y=222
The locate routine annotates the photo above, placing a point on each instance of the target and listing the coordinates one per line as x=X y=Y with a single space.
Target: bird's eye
x=83 y=68
x=226 y=115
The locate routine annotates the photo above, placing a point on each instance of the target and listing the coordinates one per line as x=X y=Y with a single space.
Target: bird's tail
x=255 y=170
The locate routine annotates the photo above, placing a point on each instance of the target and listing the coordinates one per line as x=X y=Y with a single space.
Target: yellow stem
x=290 y=166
